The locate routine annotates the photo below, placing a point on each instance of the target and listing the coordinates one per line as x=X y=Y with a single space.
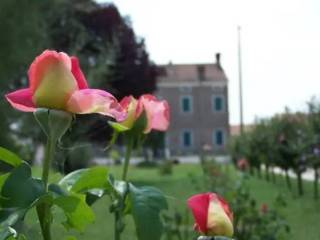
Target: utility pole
x=240 y=80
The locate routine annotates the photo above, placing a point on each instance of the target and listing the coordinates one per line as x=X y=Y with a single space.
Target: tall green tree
x=22 y=37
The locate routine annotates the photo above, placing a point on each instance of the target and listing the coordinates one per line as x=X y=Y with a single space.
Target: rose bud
x=212 y=215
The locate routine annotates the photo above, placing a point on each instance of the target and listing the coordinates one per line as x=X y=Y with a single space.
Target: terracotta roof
x=191 y=72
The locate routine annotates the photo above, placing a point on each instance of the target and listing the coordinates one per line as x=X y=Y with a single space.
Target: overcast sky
x=280 y=45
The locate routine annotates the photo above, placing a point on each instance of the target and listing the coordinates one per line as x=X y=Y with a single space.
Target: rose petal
x=144 y=98
x=40 y=66
x=51 y=80
x=225 y=206
x=129 y=104
x=21 y=100
x=126 y=101
x=95 y=101
x=157 y=113
x=161 y=115
x=77 y=73
x=218 y=222
x=199 y=205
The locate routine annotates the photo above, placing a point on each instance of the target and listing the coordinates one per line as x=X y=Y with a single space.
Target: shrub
x=76 y=158
x=166 y=167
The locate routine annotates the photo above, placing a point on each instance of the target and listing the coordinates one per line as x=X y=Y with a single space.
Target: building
x=198 y=98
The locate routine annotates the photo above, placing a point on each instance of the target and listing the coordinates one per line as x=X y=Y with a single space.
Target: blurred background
x=242 y=81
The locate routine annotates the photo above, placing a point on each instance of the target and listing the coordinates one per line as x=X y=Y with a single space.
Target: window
x=186 y=104
x=218 y=104
x=186 y=138
x=218 y=137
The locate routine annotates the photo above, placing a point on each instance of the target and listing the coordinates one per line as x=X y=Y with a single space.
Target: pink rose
x=212 y=215
x=57 y=82
x=156 y=112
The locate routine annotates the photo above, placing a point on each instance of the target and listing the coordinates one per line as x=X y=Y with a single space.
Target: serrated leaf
x=9 y=157
x=86 y=179
x=146 y=205
x=78 y=213
x=20 y=190
x=68 y=180
x=95 y=177
x=56 y=190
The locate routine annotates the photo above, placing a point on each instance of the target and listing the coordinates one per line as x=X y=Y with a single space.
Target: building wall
x=202 y=121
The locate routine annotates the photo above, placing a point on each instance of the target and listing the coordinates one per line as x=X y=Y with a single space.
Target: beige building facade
x=198 y=99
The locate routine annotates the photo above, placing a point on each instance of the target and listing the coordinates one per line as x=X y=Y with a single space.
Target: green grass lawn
x=303 y=214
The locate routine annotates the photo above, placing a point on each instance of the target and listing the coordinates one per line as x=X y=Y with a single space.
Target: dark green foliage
x=146 y=205
x=254 y=222
x=112 y=57
x=286 y=141
x=251 y=222
x=75 y=158
x=166 y=167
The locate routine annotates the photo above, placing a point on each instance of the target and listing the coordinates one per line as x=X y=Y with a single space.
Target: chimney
x=218 y=60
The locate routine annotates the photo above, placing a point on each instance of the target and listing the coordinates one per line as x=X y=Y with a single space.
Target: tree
x=314 y=131
x=130 y=72
x=21 y=39
x=112 y=57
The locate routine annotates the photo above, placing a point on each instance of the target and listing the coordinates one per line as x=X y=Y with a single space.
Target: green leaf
x=70 y=238
x=117 y=126
x=19 y=237
x=3 y=178
x=96 y=177
x=20 y=190
x=7 y=233
x=87 y=179
x=146 y=205
x=9 y=216
x=121 y=188
x=213 y=238
x=93 y=195
x=9 y=157
x=22 y=237
x=140 y=124
x=56 y=190
x=68 y=180
x=78 y=213
x=222 y=238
